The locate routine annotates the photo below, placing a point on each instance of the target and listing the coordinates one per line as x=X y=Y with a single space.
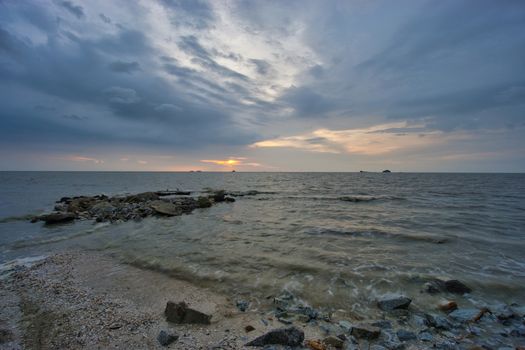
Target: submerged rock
x=203 y=202
x=166 y=338
x=57 y=218
x=290 y=336
x=365 y=331
x=456 y=287
x=394 y=303
x=181 y=313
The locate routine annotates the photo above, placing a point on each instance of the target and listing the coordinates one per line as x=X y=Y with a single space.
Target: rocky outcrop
x=57 y=218
x=451 y=286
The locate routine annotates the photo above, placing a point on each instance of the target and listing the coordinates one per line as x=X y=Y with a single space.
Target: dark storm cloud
x=72 y=8
x=73 y=71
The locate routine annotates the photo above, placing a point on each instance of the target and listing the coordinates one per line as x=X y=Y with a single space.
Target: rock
x=434 y=286
x=438 y=322
x=290 y=336
x=218 y=196
x=181 y=313
x=308 y=311
x=394 y=302
x=203 y=202
x=365 y=331
x=386 y=171
x=518 y=331
x=242 y=305
x=315 y=344
x=405 y=335
x=464 y=315
x=6 y=336
x=504 y=313
x=249 y=328
x=426 y=336
x=333 y=341
x=102 y=208
x=456 y=287
x=141 y=197
x=57 y=218
x=347 y=326
x=166 y=338
x=448 y=306
x=229 y=199
x=383 y=324
x=165 y=208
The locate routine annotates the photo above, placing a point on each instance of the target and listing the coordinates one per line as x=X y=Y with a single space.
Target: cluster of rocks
x=401 y=327
x=102 y=208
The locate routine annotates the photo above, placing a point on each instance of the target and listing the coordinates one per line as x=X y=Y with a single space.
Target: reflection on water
x=336 y=240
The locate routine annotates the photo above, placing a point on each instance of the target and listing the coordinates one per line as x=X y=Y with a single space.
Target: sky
x=178 y=85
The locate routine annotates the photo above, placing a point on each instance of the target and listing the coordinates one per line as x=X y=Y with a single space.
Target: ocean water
x=337 y=240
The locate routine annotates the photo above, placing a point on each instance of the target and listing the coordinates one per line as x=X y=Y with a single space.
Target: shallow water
x=338 y=240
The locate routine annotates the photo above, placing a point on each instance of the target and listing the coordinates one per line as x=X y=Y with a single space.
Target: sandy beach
x=89 y=301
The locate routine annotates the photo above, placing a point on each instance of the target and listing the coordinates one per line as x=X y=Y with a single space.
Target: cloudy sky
x=262 y=85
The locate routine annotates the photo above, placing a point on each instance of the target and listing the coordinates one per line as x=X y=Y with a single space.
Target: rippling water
x=338 y=240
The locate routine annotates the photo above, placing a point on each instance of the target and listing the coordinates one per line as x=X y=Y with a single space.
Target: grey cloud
x=76 y=10
x=124 y=67
x=119 y=94
x=75 y=117
x=193 y=13
x=105 y=18
x=261 y=66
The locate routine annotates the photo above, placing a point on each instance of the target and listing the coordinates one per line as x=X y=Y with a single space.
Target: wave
x=375 y=233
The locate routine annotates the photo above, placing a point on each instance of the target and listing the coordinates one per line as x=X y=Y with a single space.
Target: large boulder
x=57 y=218
x=291 y=336
x=165 y=208
x=182 y=313
x=394 y=302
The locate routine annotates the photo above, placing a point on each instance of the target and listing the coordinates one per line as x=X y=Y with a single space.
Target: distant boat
x=386 y=171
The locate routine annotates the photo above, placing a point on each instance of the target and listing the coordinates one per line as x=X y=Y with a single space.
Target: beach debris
x=182 y=313
x=166 y=338
x=396 y=302
x=290 y=336
x=315 y=344
x=365 y=331
x=447 y=306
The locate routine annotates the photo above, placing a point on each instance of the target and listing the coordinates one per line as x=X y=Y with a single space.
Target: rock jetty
x=102 y=208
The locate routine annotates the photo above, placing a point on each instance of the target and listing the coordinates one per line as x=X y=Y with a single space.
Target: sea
x=335 y=240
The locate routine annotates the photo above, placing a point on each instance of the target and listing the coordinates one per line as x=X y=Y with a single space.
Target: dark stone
x=456 y=287
x=434 y=286
x=464 y=315
x=405 y=335
x=6 y=336
x=203 y=202
x=229 y=199
x=57 y=218
x=426 y=336
x=290 y=336
x=394 y=303
x=365 y=331
x=334 y=342
x=384 y=324
x=181 y=313
x=386 y=171
x=166 y=338
x=249 y=328
x=219 y=196
x=242 y=305
x=437 y=321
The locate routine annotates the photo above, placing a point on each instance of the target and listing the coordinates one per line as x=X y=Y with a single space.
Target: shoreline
x=80 y=300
